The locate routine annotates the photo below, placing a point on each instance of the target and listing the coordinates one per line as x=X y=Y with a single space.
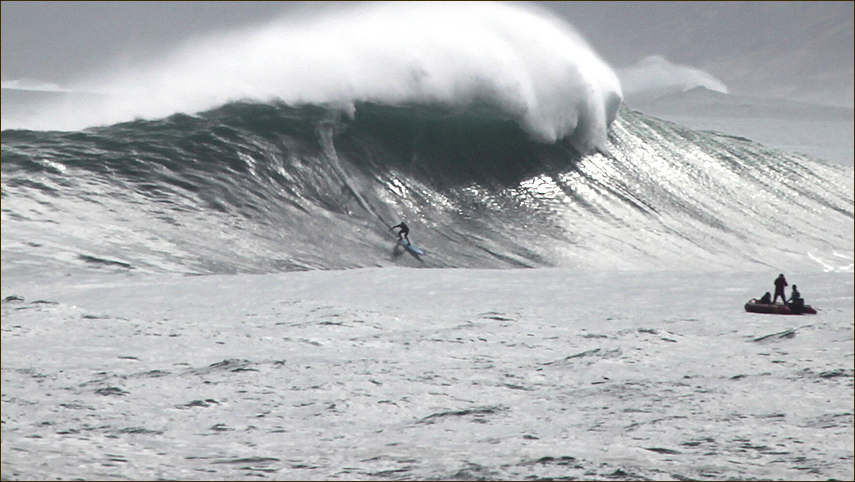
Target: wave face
x=523 y=62
x=264 y=187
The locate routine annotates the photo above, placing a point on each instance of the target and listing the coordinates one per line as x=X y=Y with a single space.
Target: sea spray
x=655 y=73
x=527 y=62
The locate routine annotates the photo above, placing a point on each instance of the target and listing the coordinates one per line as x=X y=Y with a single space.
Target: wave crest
x=527 y=62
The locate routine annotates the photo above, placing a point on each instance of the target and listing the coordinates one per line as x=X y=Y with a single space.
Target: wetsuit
x=404 y=232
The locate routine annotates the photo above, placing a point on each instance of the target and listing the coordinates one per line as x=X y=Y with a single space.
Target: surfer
x=780 y=283
x=403 y=233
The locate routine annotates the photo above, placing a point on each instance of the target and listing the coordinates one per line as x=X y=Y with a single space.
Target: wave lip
x=525 y=61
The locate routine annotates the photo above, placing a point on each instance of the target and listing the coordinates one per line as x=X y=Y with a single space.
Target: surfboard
x=412 y=249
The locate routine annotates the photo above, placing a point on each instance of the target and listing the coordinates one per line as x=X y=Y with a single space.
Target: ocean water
x=206 y=286
x=266 y=187
x=425 y=374
x=297 y=144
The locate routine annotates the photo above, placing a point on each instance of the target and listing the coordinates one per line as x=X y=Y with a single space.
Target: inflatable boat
x=754 y=306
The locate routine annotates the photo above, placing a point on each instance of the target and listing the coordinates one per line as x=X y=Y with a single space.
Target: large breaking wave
x=485 y=127
x=252 y=187
x=523 y=62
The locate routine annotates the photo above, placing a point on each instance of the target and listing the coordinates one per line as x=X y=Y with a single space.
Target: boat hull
x=755 y=306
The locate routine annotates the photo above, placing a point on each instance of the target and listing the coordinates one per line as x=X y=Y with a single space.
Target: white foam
x=655 y=72
x=352 y=374
x=527 y=61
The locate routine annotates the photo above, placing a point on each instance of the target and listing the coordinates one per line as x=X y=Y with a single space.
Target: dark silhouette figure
x=780 y=284
x=766 y=299
x=403 y=233
x=796 y=303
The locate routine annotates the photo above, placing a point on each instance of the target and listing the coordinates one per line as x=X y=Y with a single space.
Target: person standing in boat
x=780 y=284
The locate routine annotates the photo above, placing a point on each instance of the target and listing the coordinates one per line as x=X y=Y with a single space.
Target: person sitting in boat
x=796 y=303
x=766 y=299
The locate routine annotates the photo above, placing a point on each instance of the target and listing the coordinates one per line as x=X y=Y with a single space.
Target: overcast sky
x=775 y=49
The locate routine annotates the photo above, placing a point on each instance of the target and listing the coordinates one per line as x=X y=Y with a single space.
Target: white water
x=425 y=374
x=528 y=62
x=657 y=73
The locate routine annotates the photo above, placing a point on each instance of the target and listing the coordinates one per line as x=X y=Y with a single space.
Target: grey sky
x=777 y=49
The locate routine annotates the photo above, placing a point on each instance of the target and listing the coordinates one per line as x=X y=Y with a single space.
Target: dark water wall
x=257 y=188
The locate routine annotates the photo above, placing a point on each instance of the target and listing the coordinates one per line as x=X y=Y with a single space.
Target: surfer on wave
x=403 y=233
